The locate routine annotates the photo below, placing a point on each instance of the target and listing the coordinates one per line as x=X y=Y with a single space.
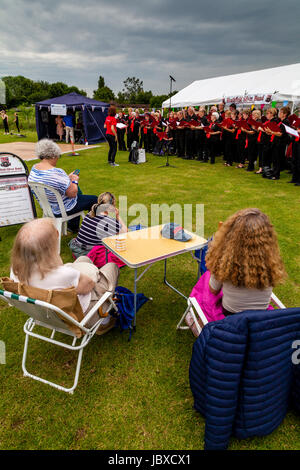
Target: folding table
x=146 y=247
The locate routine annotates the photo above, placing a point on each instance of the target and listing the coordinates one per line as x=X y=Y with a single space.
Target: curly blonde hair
x=245 y=251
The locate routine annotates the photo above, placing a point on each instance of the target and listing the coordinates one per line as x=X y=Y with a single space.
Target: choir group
x=243 y=137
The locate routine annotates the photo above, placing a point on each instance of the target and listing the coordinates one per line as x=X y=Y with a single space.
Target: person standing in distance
x=111 y=135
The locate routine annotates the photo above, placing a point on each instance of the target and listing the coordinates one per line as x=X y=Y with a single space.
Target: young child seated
x=96 y=225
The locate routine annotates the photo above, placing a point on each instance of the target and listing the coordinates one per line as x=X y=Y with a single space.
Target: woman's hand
x=73 y=177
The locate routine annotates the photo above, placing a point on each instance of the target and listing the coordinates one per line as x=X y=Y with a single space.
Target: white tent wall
x=282 y=83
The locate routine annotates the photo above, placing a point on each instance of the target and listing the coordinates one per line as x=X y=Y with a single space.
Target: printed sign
x=16 y=202
x=249 y=99
x=58 y=109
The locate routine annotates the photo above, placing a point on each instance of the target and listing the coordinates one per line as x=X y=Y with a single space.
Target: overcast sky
x=76 y=41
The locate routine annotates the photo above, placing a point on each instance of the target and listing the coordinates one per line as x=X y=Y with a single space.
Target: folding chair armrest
x=98 y=304
x=277 y=301
x=192 y=301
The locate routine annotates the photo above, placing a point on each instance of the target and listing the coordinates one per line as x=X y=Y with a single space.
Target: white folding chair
x=39 y=191
x=200 y=320
x=46 y=315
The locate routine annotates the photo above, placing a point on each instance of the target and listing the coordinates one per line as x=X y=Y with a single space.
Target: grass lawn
x=30 y=136
x=136 y=395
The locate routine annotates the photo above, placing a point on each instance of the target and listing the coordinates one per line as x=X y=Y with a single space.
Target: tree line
x=131 y=93
x=20 y=90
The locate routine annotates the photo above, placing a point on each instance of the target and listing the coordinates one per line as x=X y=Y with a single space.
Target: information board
x=59 y=109
x=16 y=201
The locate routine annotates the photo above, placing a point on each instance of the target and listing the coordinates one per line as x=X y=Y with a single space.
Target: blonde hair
x=35 y=249
x=273 y=111
x=104 y=198
x=246 y=111
x=256 y=113
x=245 y=251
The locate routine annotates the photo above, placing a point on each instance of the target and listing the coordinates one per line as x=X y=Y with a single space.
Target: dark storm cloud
x=76 y=41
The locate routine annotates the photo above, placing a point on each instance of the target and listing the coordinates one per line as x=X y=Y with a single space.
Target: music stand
x=167 y=162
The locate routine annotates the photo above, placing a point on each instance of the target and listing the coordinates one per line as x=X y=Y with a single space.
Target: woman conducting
x=111 y=134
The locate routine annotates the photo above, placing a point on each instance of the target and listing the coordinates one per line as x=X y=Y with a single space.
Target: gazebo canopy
x=93 y=116
x=72 y=99
x=259 y=86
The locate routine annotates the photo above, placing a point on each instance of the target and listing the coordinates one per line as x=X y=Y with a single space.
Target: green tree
x=157 y=100
x=19 y=89
x=132 y=87
x=144 y=97
x=58 y=89
x=103 y=92
x=101 y=82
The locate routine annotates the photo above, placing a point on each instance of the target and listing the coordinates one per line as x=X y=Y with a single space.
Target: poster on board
x=16 y=201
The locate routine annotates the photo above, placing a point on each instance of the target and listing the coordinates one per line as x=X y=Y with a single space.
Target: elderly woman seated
x=67 y=185
x=35 y=261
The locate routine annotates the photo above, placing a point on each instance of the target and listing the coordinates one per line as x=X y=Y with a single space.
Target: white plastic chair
x=200 y=319
x=45 y=315
x=39 y=191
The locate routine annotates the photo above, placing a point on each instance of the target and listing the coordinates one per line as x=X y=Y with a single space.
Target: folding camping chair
x=40 y=192
x=200 y=320
x=48 y=316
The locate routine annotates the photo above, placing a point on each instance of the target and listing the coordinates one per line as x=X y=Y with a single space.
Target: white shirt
x=57 y=279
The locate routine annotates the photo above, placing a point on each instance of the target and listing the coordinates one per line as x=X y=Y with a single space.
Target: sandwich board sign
x=16 y=201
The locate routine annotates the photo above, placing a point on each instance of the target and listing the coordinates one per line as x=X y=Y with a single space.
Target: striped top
x=93 y=229
x=59 y=180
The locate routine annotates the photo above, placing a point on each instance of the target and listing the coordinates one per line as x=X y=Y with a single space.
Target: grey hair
x=47 y=149
x=215 y=114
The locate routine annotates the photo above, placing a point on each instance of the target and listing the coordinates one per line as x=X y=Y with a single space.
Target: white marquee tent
x=260 y=86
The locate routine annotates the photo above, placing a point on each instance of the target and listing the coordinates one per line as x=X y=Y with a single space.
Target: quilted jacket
x=242 y=376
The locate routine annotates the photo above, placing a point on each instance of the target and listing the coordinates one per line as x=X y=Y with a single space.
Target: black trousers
x=260 y=149
x=173 y=145
x=276 y=159
x=190 y=143
x=121 y=139
x=180 y=142
x=213 y=148
x=296 y=162
x=252 y=152
x=241 y=142
x=145 y=141
x=267 y=155
x=129 y=138
x=112 y=147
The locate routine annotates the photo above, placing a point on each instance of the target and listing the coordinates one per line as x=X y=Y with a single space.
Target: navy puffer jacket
x=242 y=375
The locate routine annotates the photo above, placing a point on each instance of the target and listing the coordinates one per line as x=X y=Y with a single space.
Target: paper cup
x=120 y=244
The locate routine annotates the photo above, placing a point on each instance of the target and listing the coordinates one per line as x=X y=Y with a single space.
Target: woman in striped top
x=67 y=185
x=98 y=225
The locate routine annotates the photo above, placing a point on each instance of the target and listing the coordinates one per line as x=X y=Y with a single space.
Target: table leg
x=106 y=255
x=170 y=285
x=135 y=293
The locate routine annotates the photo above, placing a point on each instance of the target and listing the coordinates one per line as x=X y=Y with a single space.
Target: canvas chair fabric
x=65 y=299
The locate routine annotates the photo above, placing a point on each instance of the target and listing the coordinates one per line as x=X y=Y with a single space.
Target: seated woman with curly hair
x=244 y=261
